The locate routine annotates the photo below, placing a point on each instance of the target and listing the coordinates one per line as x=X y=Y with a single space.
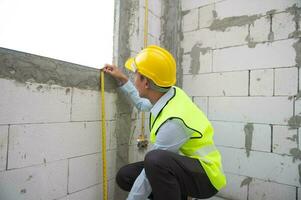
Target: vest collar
x=162 y=102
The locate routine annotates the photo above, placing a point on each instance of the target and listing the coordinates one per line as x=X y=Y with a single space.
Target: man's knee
x=156 y=158
x=122 y=179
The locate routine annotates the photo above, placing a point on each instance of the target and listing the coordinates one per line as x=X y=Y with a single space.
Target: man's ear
x=146 y=85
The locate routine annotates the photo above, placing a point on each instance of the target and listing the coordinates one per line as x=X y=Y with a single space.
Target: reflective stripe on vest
x=204 y=151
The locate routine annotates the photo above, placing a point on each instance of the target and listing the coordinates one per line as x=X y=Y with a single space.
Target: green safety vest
x=200 y=145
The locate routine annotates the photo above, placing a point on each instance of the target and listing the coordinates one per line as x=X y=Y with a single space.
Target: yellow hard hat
x=155 y=63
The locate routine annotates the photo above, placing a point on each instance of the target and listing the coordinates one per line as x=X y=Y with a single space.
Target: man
x=184 y=161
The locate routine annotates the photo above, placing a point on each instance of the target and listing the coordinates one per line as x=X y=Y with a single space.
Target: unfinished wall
x=129 y=22
x=50 y=129
x=239 y=60
x=241 y=65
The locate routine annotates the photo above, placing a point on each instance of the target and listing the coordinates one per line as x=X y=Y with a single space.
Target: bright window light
x=77 y=31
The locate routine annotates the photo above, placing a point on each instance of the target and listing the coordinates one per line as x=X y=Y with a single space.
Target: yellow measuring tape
x=103 y=139
x=103 y=115
x=145 y=45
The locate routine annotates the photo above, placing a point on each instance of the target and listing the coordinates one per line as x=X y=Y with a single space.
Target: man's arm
x=141 y=104
x=128 y=88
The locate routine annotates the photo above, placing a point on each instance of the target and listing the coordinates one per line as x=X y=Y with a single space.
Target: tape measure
x=103 y=138
x=142 y=141
x=103 y=116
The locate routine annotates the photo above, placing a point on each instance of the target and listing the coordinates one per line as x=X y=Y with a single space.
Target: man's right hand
x=116 y=73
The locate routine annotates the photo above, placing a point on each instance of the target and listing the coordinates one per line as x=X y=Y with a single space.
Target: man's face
x=141 y=84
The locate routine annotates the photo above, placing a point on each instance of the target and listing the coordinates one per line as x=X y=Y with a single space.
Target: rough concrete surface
x=126 y=13
x=249 y=137
x=195 y=58
x=172 y=33
x=24 y=67
x=241 y=39
x=223 y=24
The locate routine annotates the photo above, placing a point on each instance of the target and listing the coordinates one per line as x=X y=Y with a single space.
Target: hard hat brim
x=131 y=65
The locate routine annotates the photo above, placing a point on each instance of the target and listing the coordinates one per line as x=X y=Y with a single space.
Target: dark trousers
x=171 y=176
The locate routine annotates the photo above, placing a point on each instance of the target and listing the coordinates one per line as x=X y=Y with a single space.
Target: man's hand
x=116 y=73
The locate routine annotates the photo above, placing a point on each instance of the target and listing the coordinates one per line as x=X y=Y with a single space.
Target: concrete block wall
x=50 y=126
x=241 y=65
x=244 y=56
x=50 y=129
x=129 y=40
x=133 y=44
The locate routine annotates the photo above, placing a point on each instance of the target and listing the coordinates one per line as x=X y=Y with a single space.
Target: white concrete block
x=203 y=37
x=215 y=39
x=206 y=16
x=273 y=167
x=251 y=109
x=91 y=193
x=39 y=182
x=262 y=82
x=283 y=25
x=3 y=146
x=33 y=103
x=84 y=172
x=202 y=103
x=217 y=84
x=284 y=139
x=154 y=25
x=286 y=81
x=43 y=143
x=231 y=8
x=87 y=171
x=269 y=191
x=260 y=29
x=234 y=188
x=282 y=52
x=231 y=36
x=190 y=20
x=86 y=105
x=261 y=137
x=234 y=135
x=191 y=4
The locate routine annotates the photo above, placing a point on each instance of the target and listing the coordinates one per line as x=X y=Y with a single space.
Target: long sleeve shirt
x=171 y=135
